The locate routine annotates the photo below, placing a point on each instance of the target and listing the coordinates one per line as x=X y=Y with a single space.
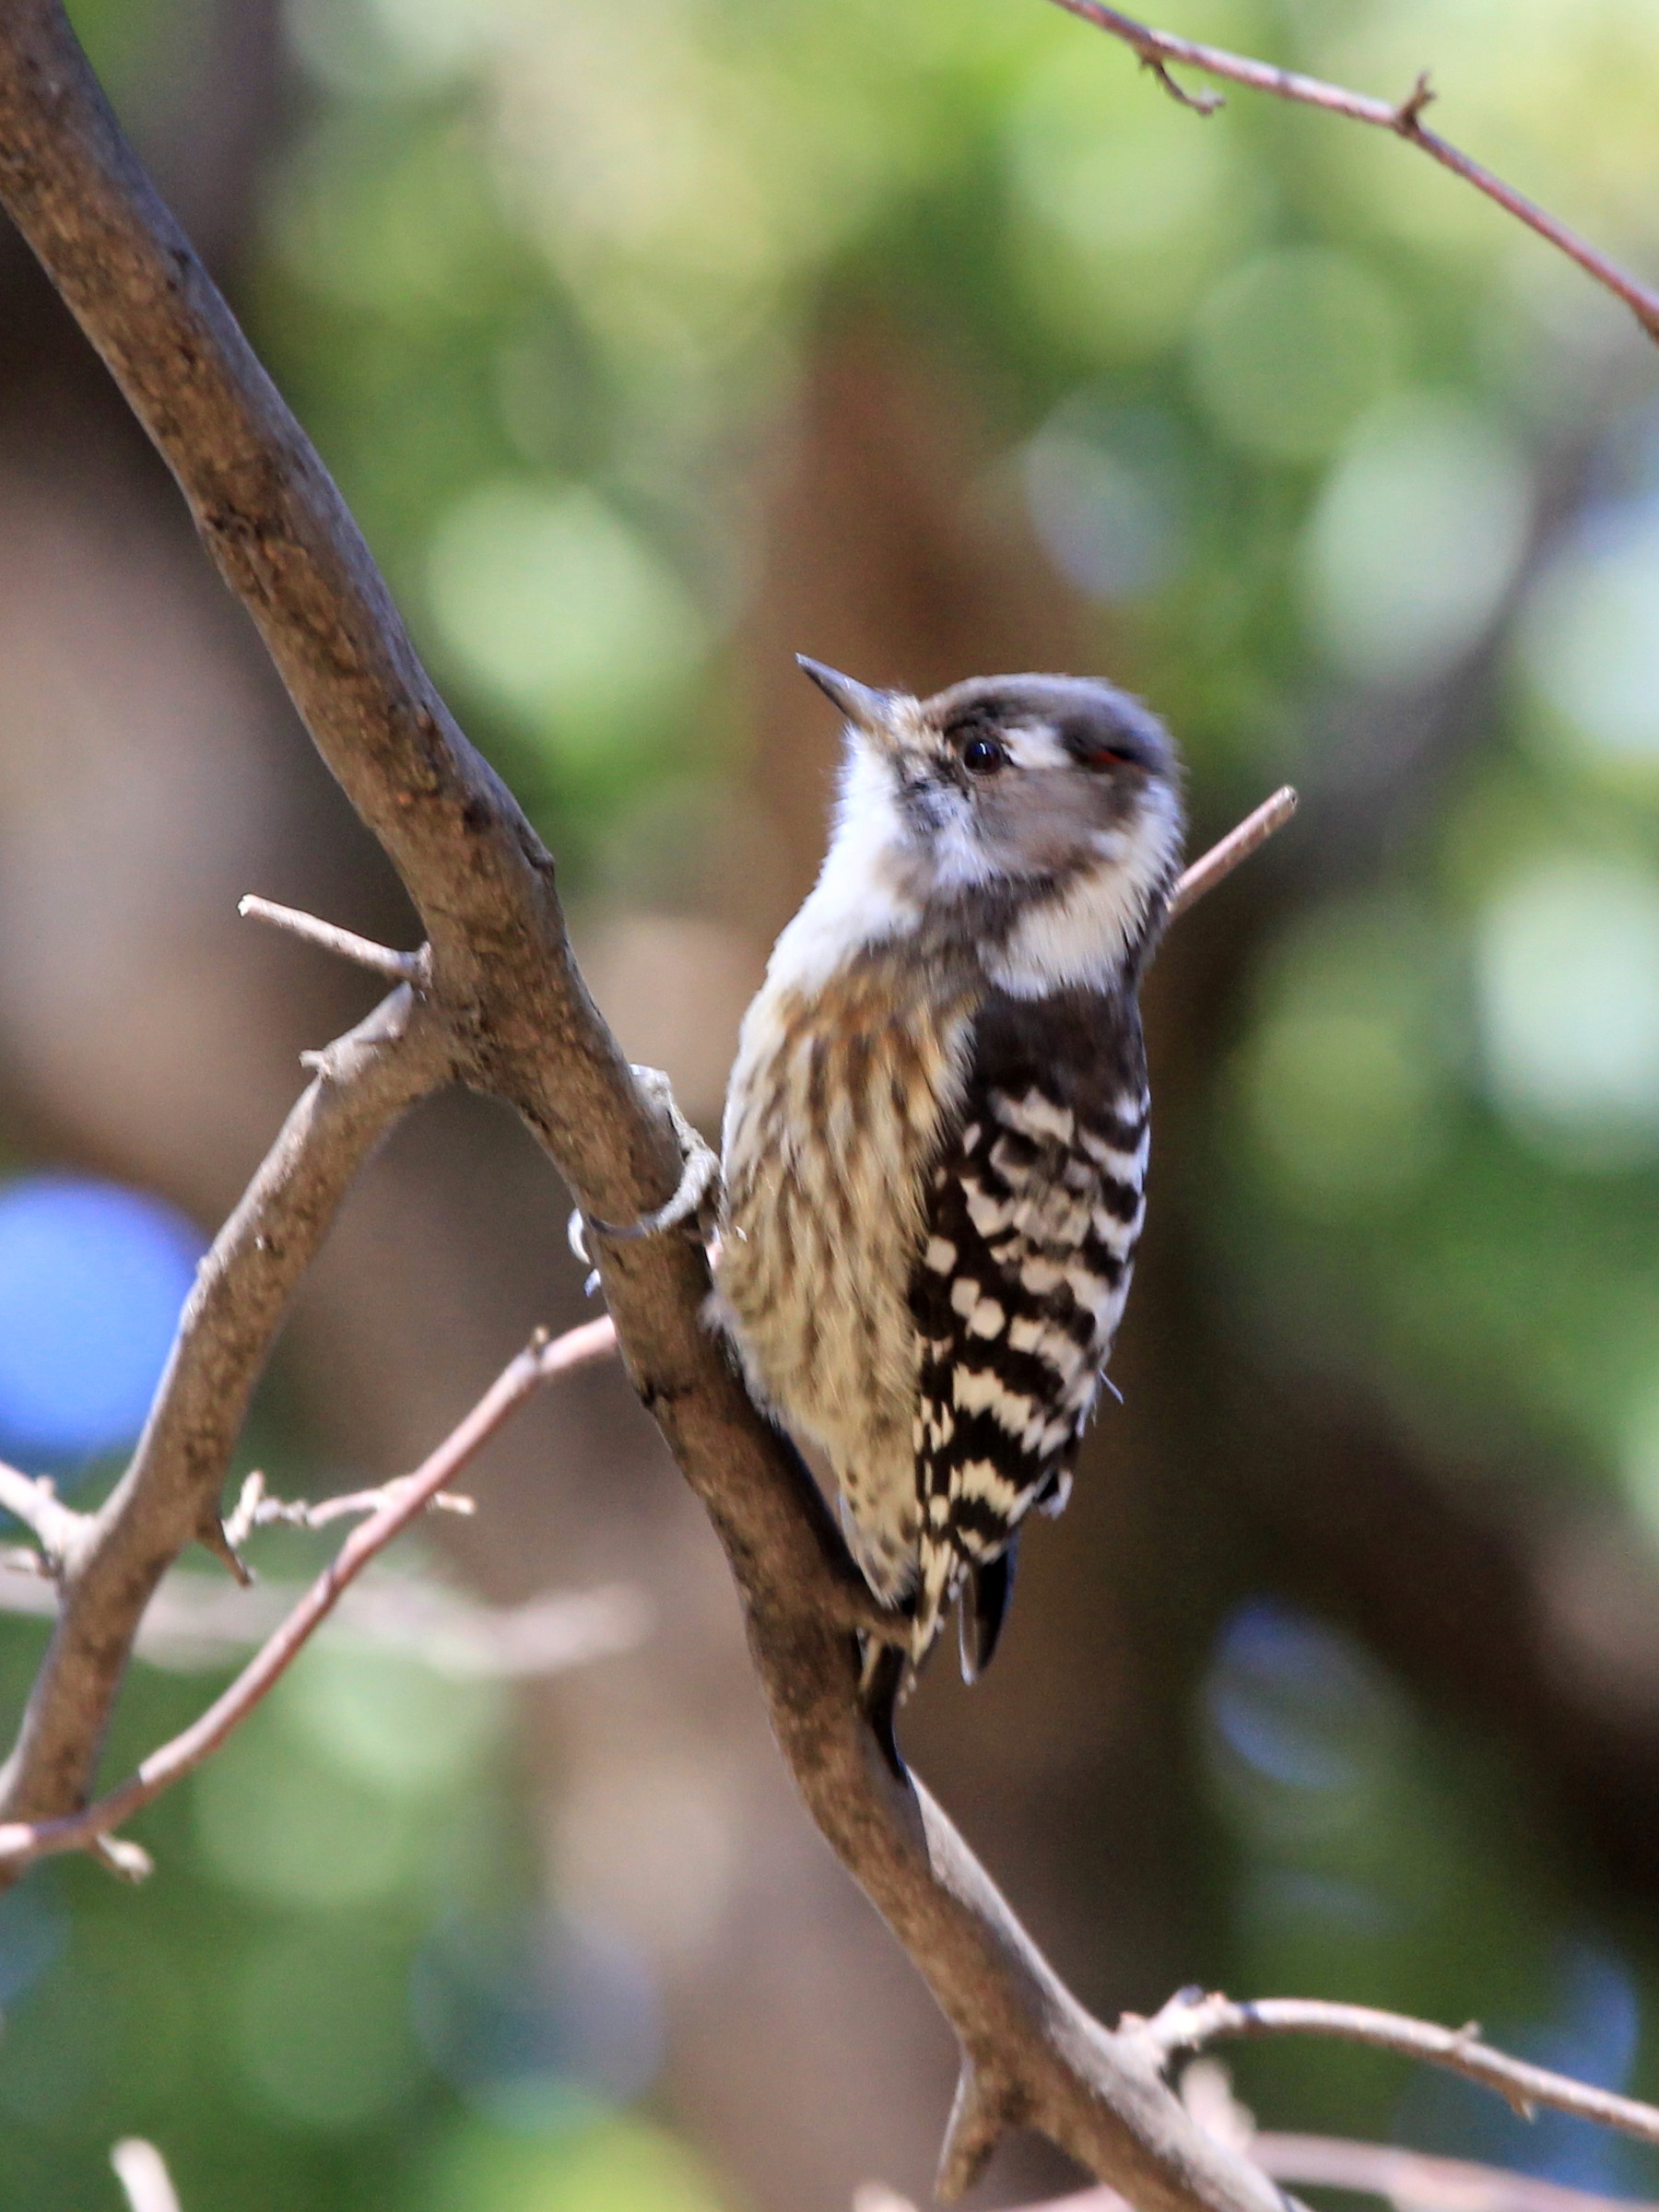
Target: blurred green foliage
x=1318 y=432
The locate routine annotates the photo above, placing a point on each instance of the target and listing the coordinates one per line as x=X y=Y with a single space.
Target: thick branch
x=1158 y=49
x=513 y=1015
x=1190 y=2021
x=21 y=1841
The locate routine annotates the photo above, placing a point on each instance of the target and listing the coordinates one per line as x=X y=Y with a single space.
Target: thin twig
x=1416 y=2182
x=401 y=967
x=142 y=2173
x=33 y=1499
x=255 y=1508
x=168 y=1495
x=1404 y=118
x=1192 y=2019
x=1221 y=859
x=21 y=1841
x=1414 y=2178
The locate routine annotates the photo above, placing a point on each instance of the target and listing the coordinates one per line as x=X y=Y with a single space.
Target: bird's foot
x=694 y=1200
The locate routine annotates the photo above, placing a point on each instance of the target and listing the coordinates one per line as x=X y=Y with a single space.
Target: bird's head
x=1049 y=804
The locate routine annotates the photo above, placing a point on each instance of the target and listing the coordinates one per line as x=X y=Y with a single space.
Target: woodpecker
x=935 y=1137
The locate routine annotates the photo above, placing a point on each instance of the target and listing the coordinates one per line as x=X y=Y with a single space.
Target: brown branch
x=1158 y=49
x=1191 y=2020
x=170 y=1493
x=504 y=1009
x=399 y=966
x=1237 y=845
x=255 y=1508
x=21 y=1841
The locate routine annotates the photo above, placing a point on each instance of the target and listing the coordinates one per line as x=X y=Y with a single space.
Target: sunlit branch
x=1404 y=118
x=168 y=1495
x=142 y=2173
x=255 y=1508
x=21 y=1841
x=33 y=1499
x=1192 y=2019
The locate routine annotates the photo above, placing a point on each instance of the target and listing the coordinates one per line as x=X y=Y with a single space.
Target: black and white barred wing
x=1033 y=1217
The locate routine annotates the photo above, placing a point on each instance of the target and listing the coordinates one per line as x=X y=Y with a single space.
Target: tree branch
x=142 y=2173
x=1413 y=2179
x=56 y=1528
x=399 y=966
x=505 y=1009
x=1192 y=2019
x=170 y=1493
x=1237 y=845
x=1158 y=49
x=255 y=1508
x=21 y=1841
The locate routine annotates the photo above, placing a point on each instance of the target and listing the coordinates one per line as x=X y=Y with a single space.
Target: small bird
x=935 y=1136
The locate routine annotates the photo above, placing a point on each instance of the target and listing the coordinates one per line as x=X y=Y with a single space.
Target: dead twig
x=255 y=1508
x=57 y=1528
x=1413 y=2178
x=1158 y=49
x=1237 y=845
x=401 y=967
x=21 y=1841
x=1192 y=2019
x=169 y=1494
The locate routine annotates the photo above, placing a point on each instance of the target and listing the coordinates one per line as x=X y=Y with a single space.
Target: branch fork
x=1158 y=49
x=1409 y=112
x=1192 y=2019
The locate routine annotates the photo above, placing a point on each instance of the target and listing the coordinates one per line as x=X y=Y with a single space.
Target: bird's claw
x=699 y=1182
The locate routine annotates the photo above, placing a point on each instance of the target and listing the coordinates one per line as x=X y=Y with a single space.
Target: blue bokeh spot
x=91 y=1281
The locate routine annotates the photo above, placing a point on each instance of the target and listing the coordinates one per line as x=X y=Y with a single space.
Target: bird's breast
x=836 y=1107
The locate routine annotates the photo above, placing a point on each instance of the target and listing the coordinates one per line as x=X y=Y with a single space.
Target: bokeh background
x=931 y=338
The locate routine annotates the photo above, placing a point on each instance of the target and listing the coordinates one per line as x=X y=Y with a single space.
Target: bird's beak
x=866 y=710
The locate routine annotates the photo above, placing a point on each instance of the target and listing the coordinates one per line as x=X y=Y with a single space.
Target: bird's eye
x=983 y=756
